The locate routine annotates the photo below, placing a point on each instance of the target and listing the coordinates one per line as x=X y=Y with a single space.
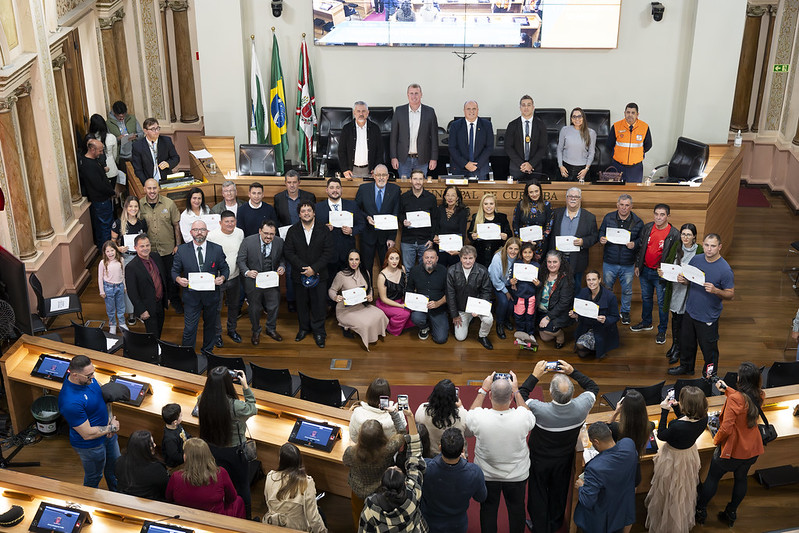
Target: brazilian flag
x=277 y=110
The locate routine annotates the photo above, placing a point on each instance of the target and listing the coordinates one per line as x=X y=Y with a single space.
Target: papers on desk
x=282 y=230
x=531 y=233
x=618 y=235
x=450 y=242
x=266 y=280
x=670 y=271
x=129 y=241
x=201 y=154
x=693 y=274
x=565 y=243
x=489 y=232
x=110 y=343
x=201 y=281
x=354 y=296
x=416 y=302
x=478 y=306
x=586 y=308
x=385 y=222
x=58 y=304
x=339 y=219
x=525 y=271
x=418 y=219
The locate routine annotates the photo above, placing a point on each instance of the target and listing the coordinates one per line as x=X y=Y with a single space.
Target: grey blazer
x=426 y=140
x=251 y=258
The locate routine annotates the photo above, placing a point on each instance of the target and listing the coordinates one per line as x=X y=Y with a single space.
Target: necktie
x=263 y=249
x=527 y=139
x=379 y=201
x=200 y=259
x=335 y=207
x=471 y=141
x=156 y=172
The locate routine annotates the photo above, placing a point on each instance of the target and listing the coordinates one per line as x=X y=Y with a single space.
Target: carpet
x=752 y=197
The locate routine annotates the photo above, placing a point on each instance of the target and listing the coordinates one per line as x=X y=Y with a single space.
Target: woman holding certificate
x=450 y=219
x=531 y=215
x=195 y=208
x=352 y=289
x=391 y=284
x=595 y=334
x=495 y=229
x=501 y=271
x=555 y=299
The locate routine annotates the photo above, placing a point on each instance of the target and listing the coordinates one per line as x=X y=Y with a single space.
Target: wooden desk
x=270 y=427
x=334 y=13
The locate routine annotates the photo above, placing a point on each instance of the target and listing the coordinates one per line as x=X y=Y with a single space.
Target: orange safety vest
x=629 y=149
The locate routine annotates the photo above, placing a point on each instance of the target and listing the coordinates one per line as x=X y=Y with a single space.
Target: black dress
x=456 y=224
x=487 y=249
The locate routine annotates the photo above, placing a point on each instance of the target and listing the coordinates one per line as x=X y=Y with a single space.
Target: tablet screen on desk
x=51 y=367
x=314 y=435
x=137 y=389
x=154 y=527
x=51 y=517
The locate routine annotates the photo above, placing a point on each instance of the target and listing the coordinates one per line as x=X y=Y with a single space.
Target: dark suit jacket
x=282 y=204
x=142 y=159
x=514 y=143
x=365 y=198
x=316 y=255
x=586 y=230
x=186 y=261
x=426 y=140
x=140 y=287
x=347 y=141
x=342 y=244
x=459 y=146
x=251 y=258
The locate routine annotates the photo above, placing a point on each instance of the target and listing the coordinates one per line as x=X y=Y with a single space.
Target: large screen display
x=471 y=23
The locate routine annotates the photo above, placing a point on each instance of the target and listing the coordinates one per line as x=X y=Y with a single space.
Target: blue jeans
x=503 y=306
x=102 y=216
x=412 y=163
x=98 y=460
x=437 y=322
x=412 y=254
x=650 y=281
x=114 y=303
x=624 y=273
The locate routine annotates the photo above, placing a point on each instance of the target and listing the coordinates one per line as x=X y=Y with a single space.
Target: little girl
x=111 y=279
x=524 y=308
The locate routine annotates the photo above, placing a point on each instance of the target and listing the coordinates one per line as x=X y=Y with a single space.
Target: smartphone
x=234 y=375
x=384 y=402
x=709 y=370
x=457 y=392
x=402 y=402
x=552 y=366
x=501 y=375
x=670 y=395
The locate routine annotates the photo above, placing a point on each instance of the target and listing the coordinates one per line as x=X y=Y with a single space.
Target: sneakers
x=625 y=318
x=641 y=327
x=424 y=333
x=661 y=338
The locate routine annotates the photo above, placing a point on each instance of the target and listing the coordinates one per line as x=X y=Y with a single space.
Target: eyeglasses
x=381 y=175
x=155 y=128
x=199 y=230
x=575 y=117
x=87 y=376
x=570 y=197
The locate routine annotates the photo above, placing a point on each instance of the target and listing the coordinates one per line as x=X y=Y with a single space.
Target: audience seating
x=44 y=305
x=687 y=162
x=326 y=391
x=232 y=363
x=652 y=394
x=95 y=339
x=703 y=384
x=781 y=374
x=140 y=347
x=279 y=381
x=182 y=358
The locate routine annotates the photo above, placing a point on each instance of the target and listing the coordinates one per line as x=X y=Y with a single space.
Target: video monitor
x=138 y=389
x=51 y=367
x=155 y=527
x=51 y=518
x=314 y=435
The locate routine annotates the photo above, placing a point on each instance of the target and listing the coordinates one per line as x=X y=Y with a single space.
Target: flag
x=257 y=102
x=277 y=109
x=306 y=109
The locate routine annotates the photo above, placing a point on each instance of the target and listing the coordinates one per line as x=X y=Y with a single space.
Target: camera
x=501 y=375
x=552 y=366
x=277 y=8
x=657 y=11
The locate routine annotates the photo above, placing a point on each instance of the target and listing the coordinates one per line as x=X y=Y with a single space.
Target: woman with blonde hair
x=291 y=494
x=487 y=214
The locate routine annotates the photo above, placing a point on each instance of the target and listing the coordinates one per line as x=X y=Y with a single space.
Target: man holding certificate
x=344 y=220
x=574 y=231
x=469 y=293
x=377 y=198
x=416 y=209
x=428 y=281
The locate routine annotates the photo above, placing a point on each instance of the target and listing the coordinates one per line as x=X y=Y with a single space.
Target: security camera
x=277 y=8
x=657 y=11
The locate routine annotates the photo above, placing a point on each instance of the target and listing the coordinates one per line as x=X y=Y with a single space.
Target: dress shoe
x=681 y=371
x=700 y=516
x=486 y=343
x=674 y=359
x=601 y=356
x=234 y=335
x=728 y=517
x=256 y=338
x=671 y=350
x=218 y=342
x=559 y=345
x=300 y=335
x=274 y=335
x=500 y=330
x=347 y=333
x=320 y=340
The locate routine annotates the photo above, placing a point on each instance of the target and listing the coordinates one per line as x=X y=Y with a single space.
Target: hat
x=12 y=517
x=115 y=392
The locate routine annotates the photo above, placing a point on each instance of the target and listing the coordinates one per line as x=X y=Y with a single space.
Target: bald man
x=99 y=191
x=471 y=141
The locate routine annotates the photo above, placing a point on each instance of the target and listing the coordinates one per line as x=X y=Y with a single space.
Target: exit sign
x=781 y=68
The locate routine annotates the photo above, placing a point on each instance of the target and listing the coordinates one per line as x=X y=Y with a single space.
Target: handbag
x=610 y=175
x=246 y=448
x=767 y=431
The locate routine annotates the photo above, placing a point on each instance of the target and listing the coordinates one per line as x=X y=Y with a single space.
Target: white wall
x=676 y=70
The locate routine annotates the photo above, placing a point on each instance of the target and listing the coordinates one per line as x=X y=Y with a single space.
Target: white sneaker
x=112 y=330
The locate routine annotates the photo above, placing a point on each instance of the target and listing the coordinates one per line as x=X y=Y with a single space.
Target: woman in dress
x=223 y=417
x=290 y=494
x=450 y=218
x=555 y=299
x=738 y=442
x=576 y=147
x=139 y=471
x=369 y=409
x=671 y=500
x=601 y=334
x=487 y=214
x=533 y=210
x=201 y=484
x=443 y=409
x=128 y=224
x=367 y=321
x=501 y=271
x=195 y=208
x=391 y=283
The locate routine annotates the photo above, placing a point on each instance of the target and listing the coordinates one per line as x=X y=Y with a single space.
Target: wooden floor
x=754 y=327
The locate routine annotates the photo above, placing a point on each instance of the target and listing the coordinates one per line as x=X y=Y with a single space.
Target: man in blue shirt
x=92 y=432
x=703 y=307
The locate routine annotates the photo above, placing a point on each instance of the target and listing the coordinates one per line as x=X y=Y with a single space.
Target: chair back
x=257 y=160
x=36 y=285
x=91 y=338
x=782 y=373
x=140 y=346
x=272 y=380
x=652 y=394
x=232 y=363
x=701 y=383
x=179 y=357
x=689 y=159
x=554 y=118
x=333 y=164
x=599 y=121
x=324 y=391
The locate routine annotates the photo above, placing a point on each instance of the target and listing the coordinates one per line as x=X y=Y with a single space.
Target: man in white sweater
x=229 y=237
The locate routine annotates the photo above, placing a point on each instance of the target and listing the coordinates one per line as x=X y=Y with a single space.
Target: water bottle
x=738 y=139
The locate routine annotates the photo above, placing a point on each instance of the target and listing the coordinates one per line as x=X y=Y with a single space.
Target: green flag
x=277 y=110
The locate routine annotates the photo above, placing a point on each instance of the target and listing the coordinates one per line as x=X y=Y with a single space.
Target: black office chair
x=95 y=339
x=45 y=305
x=233 y=363
x=326 y=391
x=687 y=163
x=333 y=164
x=182 y=358
x=140 y=347
x=781 y=374
x=257 y=160
x=651 y=394
x=279 y=381
x=701 y=383
x=599 y=121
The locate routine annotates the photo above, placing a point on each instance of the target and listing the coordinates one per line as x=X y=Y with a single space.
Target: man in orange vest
x=628 y=141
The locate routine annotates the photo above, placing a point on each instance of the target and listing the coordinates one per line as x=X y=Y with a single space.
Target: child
x=174 y=435
x=111 y=280
x=524 y=308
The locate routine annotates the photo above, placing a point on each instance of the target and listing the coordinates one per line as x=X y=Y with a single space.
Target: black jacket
x=618 y=254
x=140 y=287
x=459 y=290
x=668 y=242
x=300 y=254
x=514 y=143
x=561 y=300
x=586 y=230
x=282 y=205
x=348 y=139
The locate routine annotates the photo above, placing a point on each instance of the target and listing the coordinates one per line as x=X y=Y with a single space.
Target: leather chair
x=182 y=358
x=331 y=120
x=652 y=394
x=257 y=160
x=554 y=119
x=232 y=363
x=599 y=121
x=45 y=305
x=95 y=339
x=325 y=391
x=279 y=381
x=140 y=347
x=701 y=383
x=781 y=374
x=687 y=163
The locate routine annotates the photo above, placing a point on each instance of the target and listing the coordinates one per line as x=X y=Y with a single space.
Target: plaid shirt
x=406 y=518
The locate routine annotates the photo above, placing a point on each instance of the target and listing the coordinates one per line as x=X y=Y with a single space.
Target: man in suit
x=525 y=141
x=471 y=141
x=580 y=223
x=153 y=156
x=360 y=146
x=377 y=198
x=607 y=491
x=262 y=253
x=414 y=135
x=343 y=237
x=309 y=249
x=199 y=255
x=145 y=281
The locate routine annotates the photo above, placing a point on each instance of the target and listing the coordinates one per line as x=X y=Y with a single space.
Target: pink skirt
x=399 y=318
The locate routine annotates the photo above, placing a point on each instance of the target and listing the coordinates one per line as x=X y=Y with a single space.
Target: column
x=746 y=69
x=17 y=196
x=66 y=128
x=764 y=68
x=110 y=58
x=188 y=98
x=796 y=137
x=33 y=162
x=121 y=52
x=168 y=64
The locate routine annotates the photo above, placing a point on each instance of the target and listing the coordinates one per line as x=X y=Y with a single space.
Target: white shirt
x=234 y=208
x=308 y=233
x=255 y=206
x=466 y=272
x=414 y=120
x=331 y=204
x=361 y=146
x=230 y=245
x=501 y=442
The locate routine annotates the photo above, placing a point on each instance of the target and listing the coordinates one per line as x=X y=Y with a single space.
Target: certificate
x=339 y=219
x=266 y=280
x=416 y=302
x=693 y=274
x=418 y=219
x=489 y=232
x=525 y=271
x=670 y=272
x=450 y=242
x=129 y=241
x=565 y=243
x=586 y=308
x=201 y=281
x=211 y=221
x=57 y=304
x=283 y=230
x=354 y=296
x=385 y=222
x=531 y=233
x=478 y=306
x=618 y=235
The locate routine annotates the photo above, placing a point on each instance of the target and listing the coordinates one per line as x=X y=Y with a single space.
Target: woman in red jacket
x=738 y=442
